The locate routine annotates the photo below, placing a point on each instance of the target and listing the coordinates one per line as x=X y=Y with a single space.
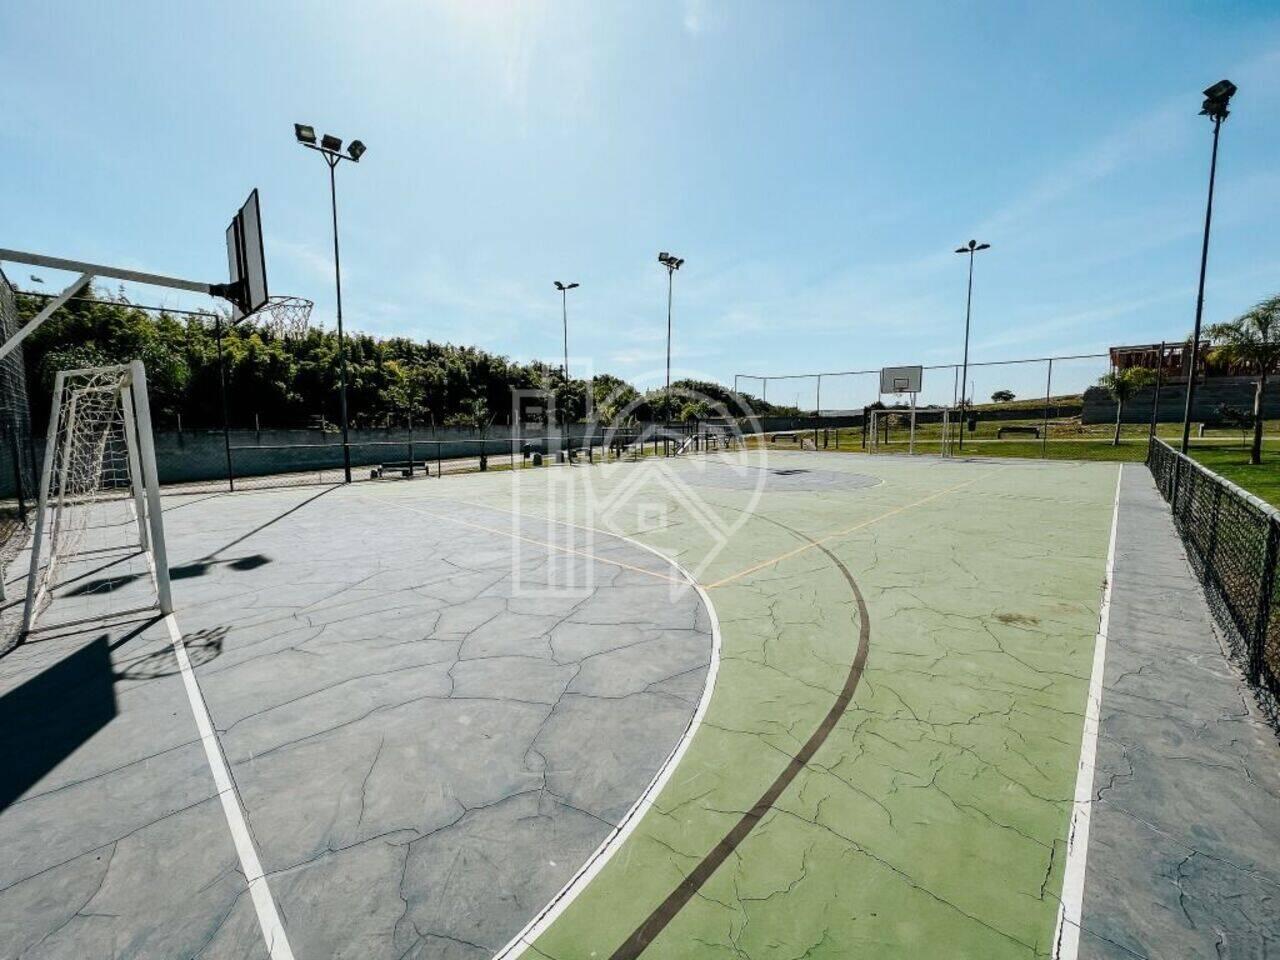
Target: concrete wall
x=1235 y=392
x=192 y=456
x=195 y=455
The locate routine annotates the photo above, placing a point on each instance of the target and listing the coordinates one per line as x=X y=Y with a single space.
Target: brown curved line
x=666 y=911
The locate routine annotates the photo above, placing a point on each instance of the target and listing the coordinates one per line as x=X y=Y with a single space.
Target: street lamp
x=672 y=263
x=330 y=147
x=1216 y=99
x=564 y=289
x=973 y=247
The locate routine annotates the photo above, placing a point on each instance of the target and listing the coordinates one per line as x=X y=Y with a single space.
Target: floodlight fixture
x=1216 y=99
x=304 y=133
x=662 y=257
x=355 y=150
x=331 y=143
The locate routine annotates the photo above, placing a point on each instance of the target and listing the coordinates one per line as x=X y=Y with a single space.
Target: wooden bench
x=1033 y=431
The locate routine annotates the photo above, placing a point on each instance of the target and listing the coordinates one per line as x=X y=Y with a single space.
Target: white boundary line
x=263 y=903
x=1066 y=939
x=627 y=825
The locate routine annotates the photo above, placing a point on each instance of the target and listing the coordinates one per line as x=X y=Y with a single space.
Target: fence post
x=1048 y=389
x=1209 y=569
x=1155 y=397
x=1173 y=494
x=222 y=392
x=1266 y=591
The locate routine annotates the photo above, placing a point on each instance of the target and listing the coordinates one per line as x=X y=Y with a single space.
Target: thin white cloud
x=701 y=16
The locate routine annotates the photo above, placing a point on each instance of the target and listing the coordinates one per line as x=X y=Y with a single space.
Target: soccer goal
x=99 y=498
x=897 y=430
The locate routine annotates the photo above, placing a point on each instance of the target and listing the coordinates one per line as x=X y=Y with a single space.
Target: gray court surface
x=778 y=477
x=433 y=714
x=1184 y=847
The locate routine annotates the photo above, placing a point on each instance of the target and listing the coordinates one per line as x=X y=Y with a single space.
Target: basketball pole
x=911 y=447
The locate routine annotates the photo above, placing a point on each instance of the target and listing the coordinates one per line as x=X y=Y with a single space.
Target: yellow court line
x=839 y=533
x=538 y=543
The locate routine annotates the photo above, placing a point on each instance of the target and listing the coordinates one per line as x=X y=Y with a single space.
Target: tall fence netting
x=1232 y=541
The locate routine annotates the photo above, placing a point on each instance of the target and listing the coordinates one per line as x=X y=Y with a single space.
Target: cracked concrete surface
x=426 y=751
x=933 y=818
x=431 y=725
x=1184 y=847
x=114 y=841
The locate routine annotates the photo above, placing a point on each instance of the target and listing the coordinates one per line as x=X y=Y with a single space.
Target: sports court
x=822 y=705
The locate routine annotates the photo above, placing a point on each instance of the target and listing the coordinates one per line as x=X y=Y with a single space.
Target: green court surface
x=887 y=763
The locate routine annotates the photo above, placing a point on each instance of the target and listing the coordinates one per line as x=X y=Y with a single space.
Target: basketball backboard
x=901 y=379
x=246 y=262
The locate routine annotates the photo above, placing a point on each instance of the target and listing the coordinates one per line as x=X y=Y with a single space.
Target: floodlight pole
x=972 y=248
x=564 y=315
x=1218 y=117
x=666 y=400
x=328 y=148
x=332 y=160
x=672 y=263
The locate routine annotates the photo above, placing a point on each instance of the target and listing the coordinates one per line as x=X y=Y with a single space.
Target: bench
x=1033 y=431
x=405 y=468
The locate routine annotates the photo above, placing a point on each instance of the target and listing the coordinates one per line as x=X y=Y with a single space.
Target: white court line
x=1066 y=939
x=627 y=825
x=263 y=903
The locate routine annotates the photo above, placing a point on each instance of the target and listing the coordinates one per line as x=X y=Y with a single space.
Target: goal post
x=99 y=458
x=915 y=419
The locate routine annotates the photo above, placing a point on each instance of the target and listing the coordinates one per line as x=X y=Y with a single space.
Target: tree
x=1122 y=385
x=1002 y=396
x=1252 y=339
x=695 y=410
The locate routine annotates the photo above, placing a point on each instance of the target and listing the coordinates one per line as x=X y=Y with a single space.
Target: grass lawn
x=1232 y=462
x=1222 y=451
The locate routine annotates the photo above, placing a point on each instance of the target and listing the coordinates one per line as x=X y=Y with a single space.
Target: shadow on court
x=49 y=716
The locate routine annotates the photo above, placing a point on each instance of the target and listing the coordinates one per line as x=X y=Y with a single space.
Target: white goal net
x=99 y=505
x=912 y=430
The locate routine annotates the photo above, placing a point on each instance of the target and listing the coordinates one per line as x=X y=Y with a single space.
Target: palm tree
x=1252 y=339
x=1122 y=385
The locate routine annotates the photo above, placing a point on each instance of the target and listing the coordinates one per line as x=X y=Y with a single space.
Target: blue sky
x=816 y=163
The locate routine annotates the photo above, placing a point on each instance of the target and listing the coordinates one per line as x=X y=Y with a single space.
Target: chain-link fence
x=1053 y=407
x=17 y=450
x=1233 y=542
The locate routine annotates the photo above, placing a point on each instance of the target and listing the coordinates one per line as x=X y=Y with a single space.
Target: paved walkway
x=1184 y=850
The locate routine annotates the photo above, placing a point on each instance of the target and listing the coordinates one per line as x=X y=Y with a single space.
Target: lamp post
x=672 y=263
x=564 y=289
x=330 y=147
x=1216 y=99
x=973 y=247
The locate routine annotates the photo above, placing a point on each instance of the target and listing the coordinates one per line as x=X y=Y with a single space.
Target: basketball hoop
x=287 y=317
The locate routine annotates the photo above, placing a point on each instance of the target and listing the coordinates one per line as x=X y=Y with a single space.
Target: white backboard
x=245 y=258
x=901 y=379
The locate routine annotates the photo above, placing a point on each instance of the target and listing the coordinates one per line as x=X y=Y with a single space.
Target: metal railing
x=1233 y=543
